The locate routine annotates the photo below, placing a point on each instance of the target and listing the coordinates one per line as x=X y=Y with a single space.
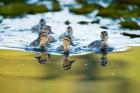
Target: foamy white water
x=16 y=32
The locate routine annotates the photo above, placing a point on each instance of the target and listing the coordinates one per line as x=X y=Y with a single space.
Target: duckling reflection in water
x=103 y=60
x=66 y=62
x=104 y=52
x=43 y=57
x=44 y=39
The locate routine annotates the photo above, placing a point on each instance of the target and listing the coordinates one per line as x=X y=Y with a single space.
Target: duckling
x=102 y=43
x=44 y=37
x=36 y=42
x=38 y=28
x=68 y=35
x=104 y=38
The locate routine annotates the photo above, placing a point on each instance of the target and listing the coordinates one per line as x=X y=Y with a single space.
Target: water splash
x=16 y=33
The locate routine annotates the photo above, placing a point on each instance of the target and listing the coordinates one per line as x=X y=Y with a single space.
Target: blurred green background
x=124 y=9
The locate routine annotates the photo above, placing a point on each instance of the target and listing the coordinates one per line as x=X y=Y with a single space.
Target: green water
x=21 y=73
x=59 y=85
